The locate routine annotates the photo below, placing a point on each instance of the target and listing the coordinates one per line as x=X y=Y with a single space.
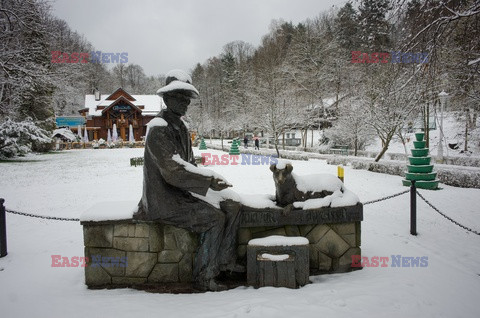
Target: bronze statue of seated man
x=172 y=183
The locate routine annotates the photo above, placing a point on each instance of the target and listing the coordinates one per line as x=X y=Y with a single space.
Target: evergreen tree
x=374 y=28
x=347 y=28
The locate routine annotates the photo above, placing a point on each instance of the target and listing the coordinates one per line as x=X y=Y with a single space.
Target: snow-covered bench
x=339 y=150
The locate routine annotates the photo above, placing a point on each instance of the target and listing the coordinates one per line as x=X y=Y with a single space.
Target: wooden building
x=122 y=109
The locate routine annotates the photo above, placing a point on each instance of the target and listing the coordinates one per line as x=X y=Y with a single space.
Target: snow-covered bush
x=451 y=175
x=95 y=144
x=101 y=141
x=118 y=143
x=19 y=138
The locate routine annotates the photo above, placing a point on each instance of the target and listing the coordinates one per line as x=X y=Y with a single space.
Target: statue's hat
x=178 y=80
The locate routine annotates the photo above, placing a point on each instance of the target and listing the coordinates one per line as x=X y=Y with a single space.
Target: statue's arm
x=161 y=149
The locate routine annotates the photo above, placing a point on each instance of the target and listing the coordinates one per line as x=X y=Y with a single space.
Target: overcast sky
x=161 y=35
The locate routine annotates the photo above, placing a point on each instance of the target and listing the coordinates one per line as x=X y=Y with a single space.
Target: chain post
x=3 y=230
x=413 y=209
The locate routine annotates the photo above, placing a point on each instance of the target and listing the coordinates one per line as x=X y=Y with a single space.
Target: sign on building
x=69 y=121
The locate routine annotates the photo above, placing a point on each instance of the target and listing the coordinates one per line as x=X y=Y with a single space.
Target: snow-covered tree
x=25 y=84
x=352 y=127
x=20 y=138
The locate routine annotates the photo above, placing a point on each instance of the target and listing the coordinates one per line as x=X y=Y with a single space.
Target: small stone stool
x=278 y=261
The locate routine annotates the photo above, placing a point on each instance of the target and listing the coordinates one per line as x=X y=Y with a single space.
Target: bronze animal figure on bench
x=286 y=188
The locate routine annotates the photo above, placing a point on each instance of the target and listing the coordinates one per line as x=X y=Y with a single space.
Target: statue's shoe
x=210 y=285
x=236 y=268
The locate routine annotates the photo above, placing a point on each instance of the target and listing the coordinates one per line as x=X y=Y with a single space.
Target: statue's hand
x=219 y=184
x=287 y=209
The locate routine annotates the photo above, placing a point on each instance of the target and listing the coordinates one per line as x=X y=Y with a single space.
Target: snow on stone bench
x=278 y=240
x=110 y=211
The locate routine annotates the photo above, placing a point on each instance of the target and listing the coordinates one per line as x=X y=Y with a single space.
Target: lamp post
x=442 y=96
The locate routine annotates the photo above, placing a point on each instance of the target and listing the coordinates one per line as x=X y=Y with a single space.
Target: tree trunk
x=283 y=140
x=356 y=145
x=385 y=144
x=404 y=143
x=311 y=142
x=276 y=145
x=304 y=137
x=474 y=119
x=380 y=155
x=427 y=126
x=467 y=117
x=221 y=138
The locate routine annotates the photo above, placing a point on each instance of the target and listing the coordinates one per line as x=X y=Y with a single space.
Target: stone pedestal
x=334 y=234
x=278 y=266
x=130 y=252
x=148 y=253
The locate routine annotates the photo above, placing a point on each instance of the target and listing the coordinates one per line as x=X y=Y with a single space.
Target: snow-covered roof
x=152 y=104
x=65 y=133
x=327 y=102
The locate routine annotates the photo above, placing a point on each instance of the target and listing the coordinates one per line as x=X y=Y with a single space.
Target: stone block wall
x=153 y=253
x=331 y=245
x=157 y=253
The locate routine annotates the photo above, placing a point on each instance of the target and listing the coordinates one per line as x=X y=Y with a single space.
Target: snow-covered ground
x=454 y=133
x=70 y=182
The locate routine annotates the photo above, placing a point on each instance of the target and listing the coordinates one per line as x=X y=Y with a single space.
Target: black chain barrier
x=366 y=203
x=446 y=216
x=42 y=216
x=76 y=220
x=386 y=198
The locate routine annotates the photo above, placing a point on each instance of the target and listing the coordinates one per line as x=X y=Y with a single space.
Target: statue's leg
x=228 y=248
x=207 y=259
x=200 y=217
